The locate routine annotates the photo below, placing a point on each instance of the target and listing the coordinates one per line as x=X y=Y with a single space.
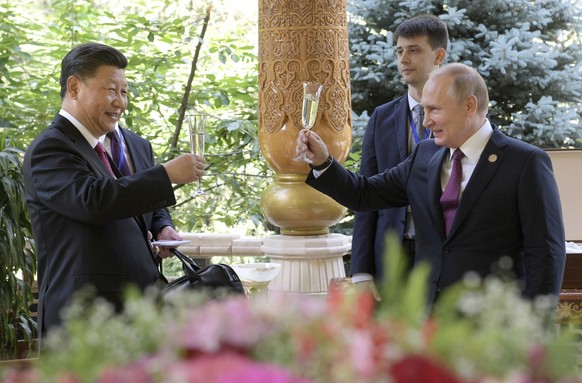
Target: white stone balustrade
x=308 y=262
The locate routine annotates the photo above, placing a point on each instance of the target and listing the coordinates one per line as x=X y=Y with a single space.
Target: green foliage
x=114 y=339
x=159 y=38
x=15 y=253
x=403 y=296
x=498 y=325
x=527 y=51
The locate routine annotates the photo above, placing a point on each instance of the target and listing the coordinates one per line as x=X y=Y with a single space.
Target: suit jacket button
x=446 y=250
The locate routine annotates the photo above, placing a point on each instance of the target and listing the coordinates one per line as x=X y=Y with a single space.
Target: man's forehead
x=433 y=86
x=419 y=40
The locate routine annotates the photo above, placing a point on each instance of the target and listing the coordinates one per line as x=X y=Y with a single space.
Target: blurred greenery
x=527 y=51
x=18 y=264
x=159 y=37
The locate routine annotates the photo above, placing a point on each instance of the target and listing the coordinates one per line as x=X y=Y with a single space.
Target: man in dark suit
x=88 y=223
x=391 y=135
x=509 y=207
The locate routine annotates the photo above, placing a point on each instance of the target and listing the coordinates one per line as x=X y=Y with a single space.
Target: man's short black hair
x=84 y=60
x=424 y=25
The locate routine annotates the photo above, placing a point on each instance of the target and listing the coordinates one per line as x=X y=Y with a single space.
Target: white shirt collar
x=412 y=102
x=104 y=137
x=80 y=127
x=474 y=146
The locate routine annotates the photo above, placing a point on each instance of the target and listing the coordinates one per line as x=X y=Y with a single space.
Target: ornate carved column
x=301 y=40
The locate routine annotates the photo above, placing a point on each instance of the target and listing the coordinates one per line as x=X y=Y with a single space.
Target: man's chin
x=439 y=141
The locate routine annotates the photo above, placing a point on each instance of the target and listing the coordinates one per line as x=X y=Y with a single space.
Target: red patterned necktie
x=450 y=196
x=100 y=149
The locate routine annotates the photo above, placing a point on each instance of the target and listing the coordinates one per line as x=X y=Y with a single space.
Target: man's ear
x=471 y=104
x=73 y=85
x=440 y=57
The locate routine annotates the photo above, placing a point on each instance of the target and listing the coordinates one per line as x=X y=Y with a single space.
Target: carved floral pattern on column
x=303 y=40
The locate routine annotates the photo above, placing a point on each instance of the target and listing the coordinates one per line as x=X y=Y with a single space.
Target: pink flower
x=127 y=374
x=362 y=353
x=21 y=376
x=231 y=323
x=227 y=367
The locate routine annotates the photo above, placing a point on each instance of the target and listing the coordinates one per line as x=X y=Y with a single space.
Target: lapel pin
x=492 y=157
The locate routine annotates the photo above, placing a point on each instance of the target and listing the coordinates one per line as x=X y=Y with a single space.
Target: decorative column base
x=308 y=262
x=297 y=208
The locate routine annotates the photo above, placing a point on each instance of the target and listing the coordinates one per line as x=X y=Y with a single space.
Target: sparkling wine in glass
x=196 y=131
x=311 y=94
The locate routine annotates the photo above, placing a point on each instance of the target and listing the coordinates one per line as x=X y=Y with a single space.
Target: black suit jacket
x=142 y=157
x=88 y=227
x=385 y=146
x=510 y=208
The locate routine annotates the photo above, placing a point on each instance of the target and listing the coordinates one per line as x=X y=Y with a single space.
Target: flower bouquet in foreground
x=481 y=332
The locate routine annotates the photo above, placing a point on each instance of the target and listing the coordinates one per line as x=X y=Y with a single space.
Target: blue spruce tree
x=529 y=52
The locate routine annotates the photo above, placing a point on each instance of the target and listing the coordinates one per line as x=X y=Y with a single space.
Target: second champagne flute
x=196 y=131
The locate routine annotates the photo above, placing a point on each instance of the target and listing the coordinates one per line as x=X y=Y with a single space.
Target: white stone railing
x=308 y=262
x=208 y=245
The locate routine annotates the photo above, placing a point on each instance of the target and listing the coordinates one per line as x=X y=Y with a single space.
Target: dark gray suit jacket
x=385 y=146
x=88 y=227
x=510 y=208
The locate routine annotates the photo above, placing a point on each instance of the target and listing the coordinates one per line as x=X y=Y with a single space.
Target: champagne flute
x=311 y=94
x=196 y=131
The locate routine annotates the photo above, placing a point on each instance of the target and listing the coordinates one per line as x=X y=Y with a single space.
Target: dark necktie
x=450 y=196
x=117 y=153
x=100 y=149
x=418 y=116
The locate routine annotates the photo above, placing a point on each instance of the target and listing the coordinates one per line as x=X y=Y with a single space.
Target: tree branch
x=187 y=90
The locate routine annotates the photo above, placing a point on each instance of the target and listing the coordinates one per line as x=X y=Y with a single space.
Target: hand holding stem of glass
x=196 y=131
x=311 y=94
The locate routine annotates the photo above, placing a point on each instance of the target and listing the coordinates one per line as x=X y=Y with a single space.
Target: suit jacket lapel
x=490 y=160
x=81 y=144
x=138 y=152
x=401 y=121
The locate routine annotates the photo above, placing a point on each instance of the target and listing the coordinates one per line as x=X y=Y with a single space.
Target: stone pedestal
x=308 y=262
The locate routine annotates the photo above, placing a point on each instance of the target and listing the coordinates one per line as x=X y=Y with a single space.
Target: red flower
x=418 y=368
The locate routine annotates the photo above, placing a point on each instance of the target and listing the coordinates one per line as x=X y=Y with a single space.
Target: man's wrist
x=322 y=166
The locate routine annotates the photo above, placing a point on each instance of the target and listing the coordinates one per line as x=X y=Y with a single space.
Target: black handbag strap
x=190 y=267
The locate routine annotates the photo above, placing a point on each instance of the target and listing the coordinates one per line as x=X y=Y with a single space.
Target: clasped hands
x=312 y=146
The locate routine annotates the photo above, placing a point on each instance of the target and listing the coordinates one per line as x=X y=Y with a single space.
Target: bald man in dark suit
x=508 y=202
